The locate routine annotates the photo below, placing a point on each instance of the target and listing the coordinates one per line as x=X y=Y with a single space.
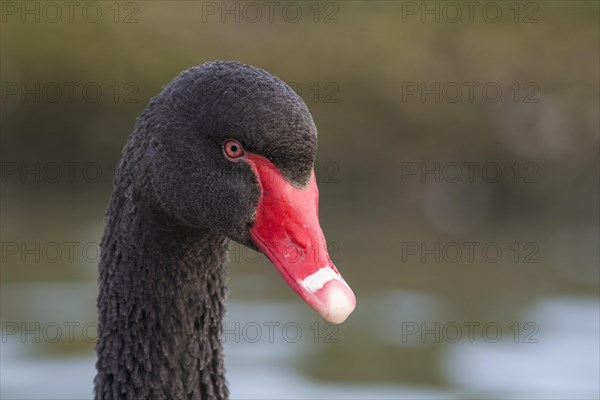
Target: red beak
x=287 y=230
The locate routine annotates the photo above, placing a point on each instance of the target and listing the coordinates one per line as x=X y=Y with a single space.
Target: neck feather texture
x=160 y=306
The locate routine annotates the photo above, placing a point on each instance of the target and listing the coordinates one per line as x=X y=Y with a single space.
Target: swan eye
x=233 y=149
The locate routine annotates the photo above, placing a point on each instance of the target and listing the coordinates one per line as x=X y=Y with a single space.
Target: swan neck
x=161 y=304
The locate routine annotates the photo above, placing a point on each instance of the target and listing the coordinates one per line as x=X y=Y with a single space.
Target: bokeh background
x=458 y=172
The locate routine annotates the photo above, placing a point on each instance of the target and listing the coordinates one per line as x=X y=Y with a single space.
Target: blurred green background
x=405 y=95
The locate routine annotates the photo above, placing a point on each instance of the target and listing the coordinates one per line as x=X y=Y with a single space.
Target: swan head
x=230 y=148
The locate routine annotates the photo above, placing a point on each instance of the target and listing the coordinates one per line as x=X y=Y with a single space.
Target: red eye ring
x=233 y=149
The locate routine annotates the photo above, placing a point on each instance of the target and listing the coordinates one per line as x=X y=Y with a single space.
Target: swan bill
x=287 y=230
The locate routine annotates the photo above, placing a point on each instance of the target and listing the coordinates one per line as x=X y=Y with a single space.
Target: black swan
x=224 y=152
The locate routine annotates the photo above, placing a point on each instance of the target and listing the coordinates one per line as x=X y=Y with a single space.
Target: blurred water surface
x=268 y=363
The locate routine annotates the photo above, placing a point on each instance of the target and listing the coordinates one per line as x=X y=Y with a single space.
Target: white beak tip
x=339 y=302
